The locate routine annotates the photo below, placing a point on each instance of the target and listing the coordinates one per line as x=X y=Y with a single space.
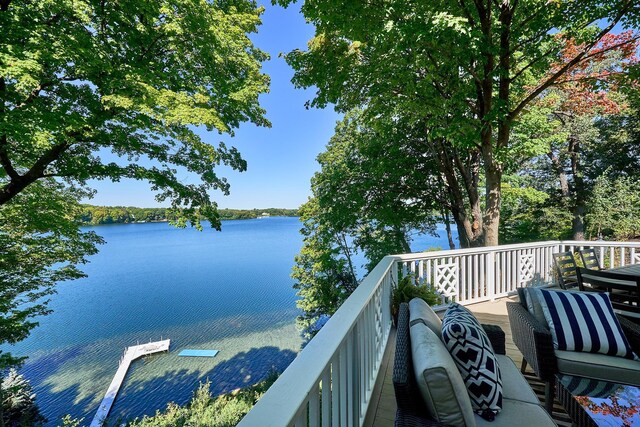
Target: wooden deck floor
x=383 y=406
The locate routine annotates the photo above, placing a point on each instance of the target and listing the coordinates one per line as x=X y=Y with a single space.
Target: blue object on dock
x=198 y=353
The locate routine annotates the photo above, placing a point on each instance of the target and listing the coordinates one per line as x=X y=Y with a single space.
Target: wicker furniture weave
x=411 y=410
x=536 y=344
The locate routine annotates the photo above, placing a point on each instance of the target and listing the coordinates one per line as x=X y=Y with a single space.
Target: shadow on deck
x=383 y=403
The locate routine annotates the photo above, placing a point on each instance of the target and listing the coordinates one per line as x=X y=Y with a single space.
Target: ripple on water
x=73 y=380
x=230 y=291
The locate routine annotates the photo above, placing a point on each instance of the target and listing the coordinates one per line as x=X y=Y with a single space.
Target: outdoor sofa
x=533 y=338
x=520 y=405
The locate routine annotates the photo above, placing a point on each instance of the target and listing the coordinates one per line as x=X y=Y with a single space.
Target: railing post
x=491 y=275
x=394 y=273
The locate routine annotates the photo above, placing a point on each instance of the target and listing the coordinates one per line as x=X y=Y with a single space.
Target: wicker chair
x=536 y=344
x=590 y=259
x=566 y=269
x=411 y=409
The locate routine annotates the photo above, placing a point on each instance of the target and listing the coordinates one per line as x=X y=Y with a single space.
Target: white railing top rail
x=515 y=246
x=600 y=243
x=478 y=250
x=280 y=405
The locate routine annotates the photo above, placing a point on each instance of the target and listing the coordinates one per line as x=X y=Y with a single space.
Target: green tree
x=580 y=129
x=591 y=91
x=82 y=78
x=87 y=80
x=368 y=197
x=324 y=273
x=462 y=72
x=41 y=245
x=530 y=215
x=614 y=208
x=18 y=404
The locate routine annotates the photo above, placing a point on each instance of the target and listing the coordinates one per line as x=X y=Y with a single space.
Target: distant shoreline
x=105 y=215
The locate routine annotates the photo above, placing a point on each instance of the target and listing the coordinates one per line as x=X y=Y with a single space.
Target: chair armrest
x=403 y=377
x=497 y=338
x=411 y=411
x=533 y=340
x=632 y=332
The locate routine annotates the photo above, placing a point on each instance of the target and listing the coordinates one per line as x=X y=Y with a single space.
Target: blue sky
x=281 y=159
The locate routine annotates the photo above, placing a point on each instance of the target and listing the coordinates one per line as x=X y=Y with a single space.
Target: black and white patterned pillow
x=471 y=349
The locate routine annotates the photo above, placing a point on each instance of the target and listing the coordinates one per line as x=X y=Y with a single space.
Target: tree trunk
x=464 y=202
x=447 y=224
x=493 y=178
x=579 y=203
x=402 y=239
x=562 y=176
x=492 y=213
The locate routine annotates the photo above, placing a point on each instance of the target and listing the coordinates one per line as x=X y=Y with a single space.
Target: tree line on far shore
x=97 y=215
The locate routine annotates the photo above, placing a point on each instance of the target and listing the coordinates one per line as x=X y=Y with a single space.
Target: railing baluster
x=301 y=417
x=365 y=373
x=343 y=386
x=326 y=397
x=335 y=391
x=351 y=376
x=491 y=272
x=612 y=257
x=314 y=407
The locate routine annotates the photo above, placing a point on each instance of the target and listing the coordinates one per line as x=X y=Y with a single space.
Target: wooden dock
x=130 y=354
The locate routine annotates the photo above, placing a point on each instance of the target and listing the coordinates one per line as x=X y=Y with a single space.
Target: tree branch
x=530 y=64
x=617 y=45
x=569 y=64
x=504 y=61
x=5 y=161
x=19 y=183
x=467 y=13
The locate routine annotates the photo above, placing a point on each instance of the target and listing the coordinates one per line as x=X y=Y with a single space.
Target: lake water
x=230 y=291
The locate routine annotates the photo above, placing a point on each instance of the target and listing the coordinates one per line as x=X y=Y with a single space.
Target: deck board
x=494 y=312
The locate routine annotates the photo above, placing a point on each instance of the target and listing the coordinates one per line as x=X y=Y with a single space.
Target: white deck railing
x=331 y=381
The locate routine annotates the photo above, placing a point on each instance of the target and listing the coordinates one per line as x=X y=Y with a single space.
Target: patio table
x=631 y=269
x=623 y=285
x=595 y=403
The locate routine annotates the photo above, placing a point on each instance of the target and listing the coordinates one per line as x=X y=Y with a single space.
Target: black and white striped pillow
x=584 y=322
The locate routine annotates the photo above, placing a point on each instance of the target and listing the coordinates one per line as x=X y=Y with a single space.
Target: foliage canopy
x=460 y=72
x=85 y=80
x=93 y=89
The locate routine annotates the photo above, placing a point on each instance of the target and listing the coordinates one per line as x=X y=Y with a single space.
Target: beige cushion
x=599 y=366
x=438 y=379
x=421 y=312
x=517 y=413
x=514 y=386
